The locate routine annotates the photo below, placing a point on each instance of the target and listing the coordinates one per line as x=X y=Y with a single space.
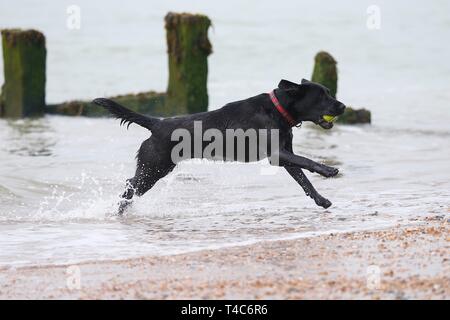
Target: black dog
x=285 y=107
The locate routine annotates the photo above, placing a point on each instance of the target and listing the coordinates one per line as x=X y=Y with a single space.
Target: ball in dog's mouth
x=326 y=121
x=329 y=118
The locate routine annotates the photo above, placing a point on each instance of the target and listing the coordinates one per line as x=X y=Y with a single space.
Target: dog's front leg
x=289 y=159
x=303 y=181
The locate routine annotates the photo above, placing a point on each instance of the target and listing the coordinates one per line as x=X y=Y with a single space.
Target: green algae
x=150 y=102
x=325 y=71
x=355 y=116
x=188 y=49
x=24 y=57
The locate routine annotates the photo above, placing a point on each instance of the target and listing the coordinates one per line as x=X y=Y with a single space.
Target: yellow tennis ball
x=328 y=118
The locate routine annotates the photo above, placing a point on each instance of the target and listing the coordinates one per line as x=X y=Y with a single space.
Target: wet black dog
x=285 y=107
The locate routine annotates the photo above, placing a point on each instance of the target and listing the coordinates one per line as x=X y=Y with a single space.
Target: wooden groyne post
x=325 y=73
x=188 y=49
x=24 y=56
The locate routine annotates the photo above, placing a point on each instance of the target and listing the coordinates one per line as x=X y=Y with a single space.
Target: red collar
x=282 y=110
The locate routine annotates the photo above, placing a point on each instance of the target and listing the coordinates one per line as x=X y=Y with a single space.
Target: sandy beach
x=408 y=262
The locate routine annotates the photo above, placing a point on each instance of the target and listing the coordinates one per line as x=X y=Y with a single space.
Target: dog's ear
x=291 y=88
x=305 y=81
x=288 y=85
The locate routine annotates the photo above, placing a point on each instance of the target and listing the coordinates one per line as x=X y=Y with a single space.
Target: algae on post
x=24 y=58
x=355 y=116
x=188 y=50
x=325 y=71
x=145 y=102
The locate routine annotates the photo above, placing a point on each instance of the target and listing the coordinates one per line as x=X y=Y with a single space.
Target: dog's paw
x=322 y=202
x=328 y=171
x=123 y=206
x=334 y=172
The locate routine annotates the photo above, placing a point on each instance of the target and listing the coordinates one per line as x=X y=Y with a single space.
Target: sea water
x=60 y=177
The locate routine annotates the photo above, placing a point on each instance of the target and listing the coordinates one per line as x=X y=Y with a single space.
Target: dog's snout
x=341 y=107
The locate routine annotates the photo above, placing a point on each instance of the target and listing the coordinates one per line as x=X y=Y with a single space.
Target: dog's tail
x=126 y=115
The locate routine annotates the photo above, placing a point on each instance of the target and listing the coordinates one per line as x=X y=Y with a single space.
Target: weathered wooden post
x=24 y=54
x=355 y=116
x=325 y=71
x=188 y=50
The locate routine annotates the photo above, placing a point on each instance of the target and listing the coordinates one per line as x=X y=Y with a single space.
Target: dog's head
x=310 y=101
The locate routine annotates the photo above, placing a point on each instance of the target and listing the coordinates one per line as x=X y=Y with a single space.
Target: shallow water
x=60 y=177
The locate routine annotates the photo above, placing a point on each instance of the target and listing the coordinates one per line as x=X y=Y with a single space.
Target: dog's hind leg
x=127 y=196
x=145 y=178
x=148 y=177
x=153 y=163
x=140 y=184
x=303 y=181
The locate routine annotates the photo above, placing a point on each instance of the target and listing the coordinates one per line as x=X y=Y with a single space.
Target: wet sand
x=409 y=262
